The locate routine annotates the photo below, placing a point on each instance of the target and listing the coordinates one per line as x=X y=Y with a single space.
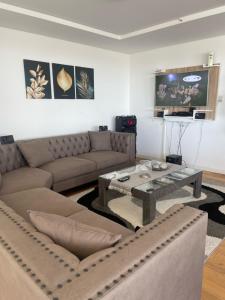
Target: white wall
x=37 y=118
x=210 y=153
x=118 y=78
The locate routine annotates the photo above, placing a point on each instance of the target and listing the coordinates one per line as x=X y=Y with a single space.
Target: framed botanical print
x=63 y=81
x=84 y=83
x=37 y=79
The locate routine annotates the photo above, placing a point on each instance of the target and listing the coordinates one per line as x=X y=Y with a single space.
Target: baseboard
x=208 y=169
x=140 y=156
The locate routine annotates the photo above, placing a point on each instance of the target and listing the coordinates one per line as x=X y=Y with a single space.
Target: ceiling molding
x=180 y=20
x=64 y=22
x=60 y=21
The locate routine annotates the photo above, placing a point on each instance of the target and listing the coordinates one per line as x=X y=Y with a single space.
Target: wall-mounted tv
x=182 y=89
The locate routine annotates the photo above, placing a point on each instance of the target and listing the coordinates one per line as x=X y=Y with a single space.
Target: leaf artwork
x=37 y=84
x=64 y=80
x=83 y=85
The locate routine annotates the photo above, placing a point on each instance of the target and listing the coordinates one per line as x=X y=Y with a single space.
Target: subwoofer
x=126 y=124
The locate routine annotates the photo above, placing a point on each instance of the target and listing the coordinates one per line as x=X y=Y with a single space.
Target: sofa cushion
x=79 y=238
x=36 y=152
x=10 y=158
x=100 y=141
x=104 y=159
x=24 y=179
x=41 y=199
x=92 y=219
x=68 y=167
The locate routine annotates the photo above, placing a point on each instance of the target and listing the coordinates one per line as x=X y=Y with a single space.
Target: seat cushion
x=68 y=167
x=92 y=219
x=24 y=179
x=41 y=199
x=105 y=159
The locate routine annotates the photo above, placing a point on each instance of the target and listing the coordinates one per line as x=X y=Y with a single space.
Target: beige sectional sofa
x=61 y=162
x=161 y=261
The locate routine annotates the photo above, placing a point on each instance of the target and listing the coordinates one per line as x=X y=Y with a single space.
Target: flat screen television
x=188 y=89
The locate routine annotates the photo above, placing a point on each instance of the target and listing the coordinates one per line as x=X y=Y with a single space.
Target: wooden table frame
x=149 y=199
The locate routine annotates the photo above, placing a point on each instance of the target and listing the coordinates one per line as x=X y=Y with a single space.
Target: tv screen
x=182 y=89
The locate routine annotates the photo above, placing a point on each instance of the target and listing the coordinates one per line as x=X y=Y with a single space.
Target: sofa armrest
x=162 y=261
x=124 y=142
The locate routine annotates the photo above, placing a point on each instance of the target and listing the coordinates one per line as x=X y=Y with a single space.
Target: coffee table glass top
x=123 y=172
x=167 y=179
x=140 y=168
x=157 y=179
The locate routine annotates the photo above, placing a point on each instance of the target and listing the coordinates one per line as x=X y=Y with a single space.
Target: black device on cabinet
x=127 y=124
x=200 y=115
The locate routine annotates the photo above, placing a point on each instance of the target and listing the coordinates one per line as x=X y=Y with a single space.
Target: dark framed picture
x=63 y=81
x=84 y=83
x=37 y=79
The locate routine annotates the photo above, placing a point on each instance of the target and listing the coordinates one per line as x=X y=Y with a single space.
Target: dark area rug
x=88 y=201
x=215 y=199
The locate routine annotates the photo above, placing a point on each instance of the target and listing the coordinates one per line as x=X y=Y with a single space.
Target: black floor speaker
x=127 y=124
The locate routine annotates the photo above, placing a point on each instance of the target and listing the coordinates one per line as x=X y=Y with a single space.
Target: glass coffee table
x=149 y=186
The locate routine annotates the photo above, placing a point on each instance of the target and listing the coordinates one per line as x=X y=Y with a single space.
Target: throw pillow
x=100 y=141
x=36 y=153
x=80 y=239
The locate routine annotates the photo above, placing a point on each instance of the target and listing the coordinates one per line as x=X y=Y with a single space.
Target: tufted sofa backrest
x=69 y=145
x=10 y=158
x=60 y=146
x=120 y=141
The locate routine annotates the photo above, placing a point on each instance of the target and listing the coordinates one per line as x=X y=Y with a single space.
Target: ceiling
x=127 y=26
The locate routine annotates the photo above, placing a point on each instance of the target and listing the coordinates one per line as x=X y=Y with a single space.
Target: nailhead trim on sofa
x=117 y=280
x=122 y=276
x=25 y=267
x=141 y=261
x=118 y=248
x=19 y=260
